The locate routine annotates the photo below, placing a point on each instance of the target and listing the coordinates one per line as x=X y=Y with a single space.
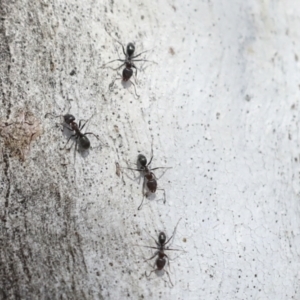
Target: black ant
x=129 y=64
x=161 y=248
x=149 y=178
x=81 y=138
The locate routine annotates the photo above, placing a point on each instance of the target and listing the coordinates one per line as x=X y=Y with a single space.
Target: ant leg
x=122 y=60
x=158 y=245
x=140 y=170
x=150 y=246
x=144 y=183
x=150 y=161
x=161 y=168
x=152 y=255
x=139 y=54
x=119 y=67
x=122 y=47
x=169 y=277
x=154 y=62
x=149 y=273
x=167 y=249
x=52 y=115
x=80 y=128
x=138 y=96
x=55 y=116
x=144 y=60
x=169 y=268
x=135 y=70
x=110 y=87
x=124 y=50
x=130 y=163
x=76 y=141
x=151 y=152
x=75 y=151
x=172 y=234
x=68 y=141
x=164 y=194
x=139 y=208
x=97 y=137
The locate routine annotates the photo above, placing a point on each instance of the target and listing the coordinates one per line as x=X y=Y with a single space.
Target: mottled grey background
x=221 y=107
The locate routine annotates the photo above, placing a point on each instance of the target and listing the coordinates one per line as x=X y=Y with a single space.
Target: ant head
x=69 y=118
x=127 y=73
x=130 y=49
x=162 y=238
x=142 y=160
x=84 y=142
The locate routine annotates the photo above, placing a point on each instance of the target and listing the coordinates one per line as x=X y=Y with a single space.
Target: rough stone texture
x=222 y=108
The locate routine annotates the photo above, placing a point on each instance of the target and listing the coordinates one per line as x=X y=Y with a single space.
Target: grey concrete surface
x=221 y=106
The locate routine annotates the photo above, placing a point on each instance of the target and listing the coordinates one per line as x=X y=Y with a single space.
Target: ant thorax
x=143 y=168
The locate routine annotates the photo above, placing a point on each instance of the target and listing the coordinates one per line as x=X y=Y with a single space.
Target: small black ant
x=161 y=248
x=129 y=64
x=149 y=178
x=81 y=138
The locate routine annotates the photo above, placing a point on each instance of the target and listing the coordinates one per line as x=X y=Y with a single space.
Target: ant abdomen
x=127 y=73
x=151 y=183
x=84 y=142
x=161 y=261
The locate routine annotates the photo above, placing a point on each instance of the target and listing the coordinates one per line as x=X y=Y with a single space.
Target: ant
x=81 y=138
x=129 y=60
x=150 y=179
x=161 y=248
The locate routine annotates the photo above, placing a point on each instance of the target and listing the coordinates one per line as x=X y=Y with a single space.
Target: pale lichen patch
x=19 y=133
